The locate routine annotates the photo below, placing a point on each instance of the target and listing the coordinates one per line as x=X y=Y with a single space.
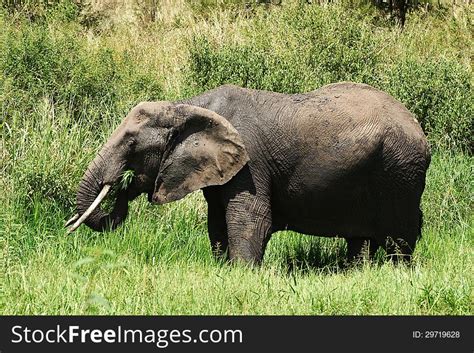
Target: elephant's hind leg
x=360 y=249
x=400 y=244
x=400 y=182
x=399 y=227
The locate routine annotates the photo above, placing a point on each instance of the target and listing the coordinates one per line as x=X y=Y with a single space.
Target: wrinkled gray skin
x=345 y=160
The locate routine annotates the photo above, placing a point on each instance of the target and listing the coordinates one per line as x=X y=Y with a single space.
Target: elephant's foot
x=220 y=249
x=399 y=250
x=360 y=249
x=245 y=251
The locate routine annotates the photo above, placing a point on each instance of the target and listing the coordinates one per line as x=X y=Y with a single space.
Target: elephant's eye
x=131 y=142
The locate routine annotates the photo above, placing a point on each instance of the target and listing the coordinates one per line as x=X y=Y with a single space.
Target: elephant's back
x=364 y=103
x=361 y=111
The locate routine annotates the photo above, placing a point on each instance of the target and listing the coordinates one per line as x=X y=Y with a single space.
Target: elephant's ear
x=204 y=150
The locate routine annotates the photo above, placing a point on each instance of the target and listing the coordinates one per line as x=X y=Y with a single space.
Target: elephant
x=346 y=160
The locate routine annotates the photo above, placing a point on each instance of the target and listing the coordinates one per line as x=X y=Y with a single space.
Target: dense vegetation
x=71 y=70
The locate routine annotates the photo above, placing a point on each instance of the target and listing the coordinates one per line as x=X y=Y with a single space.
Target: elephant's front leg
x=217 y=229
x=216 y=223
x=249 y=226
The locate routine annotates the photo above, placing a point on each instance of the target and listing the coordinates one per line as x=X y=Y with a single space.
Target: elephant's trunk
x=77 y=220
x=92 y=189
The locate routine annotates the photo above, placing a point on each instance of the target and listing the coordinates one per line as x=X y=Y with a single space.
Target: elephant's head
x=172 y=149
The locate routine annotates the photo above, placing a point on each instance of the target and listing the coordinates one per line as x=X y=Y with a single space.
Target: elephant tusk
x=73 y=219
x=91 y=208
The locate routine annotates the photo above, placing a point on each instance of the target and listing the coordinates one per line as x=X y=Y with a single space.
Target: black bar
x=259 y=333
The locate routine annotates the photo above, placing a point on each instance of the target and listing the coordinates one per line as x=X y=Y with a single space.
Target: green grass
x=65 y=87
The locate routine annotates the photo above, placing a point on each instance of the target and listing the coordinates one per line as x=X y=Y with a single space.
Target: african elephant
x=345 y=160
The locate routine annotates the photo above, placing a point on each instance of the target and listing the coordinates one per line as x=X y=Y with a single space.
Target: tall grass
x=66 y=84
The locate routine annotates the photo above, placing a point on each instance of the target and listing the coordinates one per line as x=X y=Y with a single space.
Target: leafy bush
x=88 y=82
x=246 y=65
x=321 y=50
x=440 y=94
x=205 y=7
x=42 y=10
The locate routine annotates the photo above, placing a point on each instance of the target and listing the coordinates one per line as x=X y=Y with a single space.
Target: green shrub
x=308 y=47
x=86 y=81
x=42 y=10
x=246 y=65
x=440 y=94
x=205 y=7
x=339 y=43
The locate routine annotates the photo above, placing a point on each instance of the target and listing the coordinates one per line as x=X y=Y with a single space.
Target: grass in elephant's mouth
x=123 y=183
x=126 y=179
